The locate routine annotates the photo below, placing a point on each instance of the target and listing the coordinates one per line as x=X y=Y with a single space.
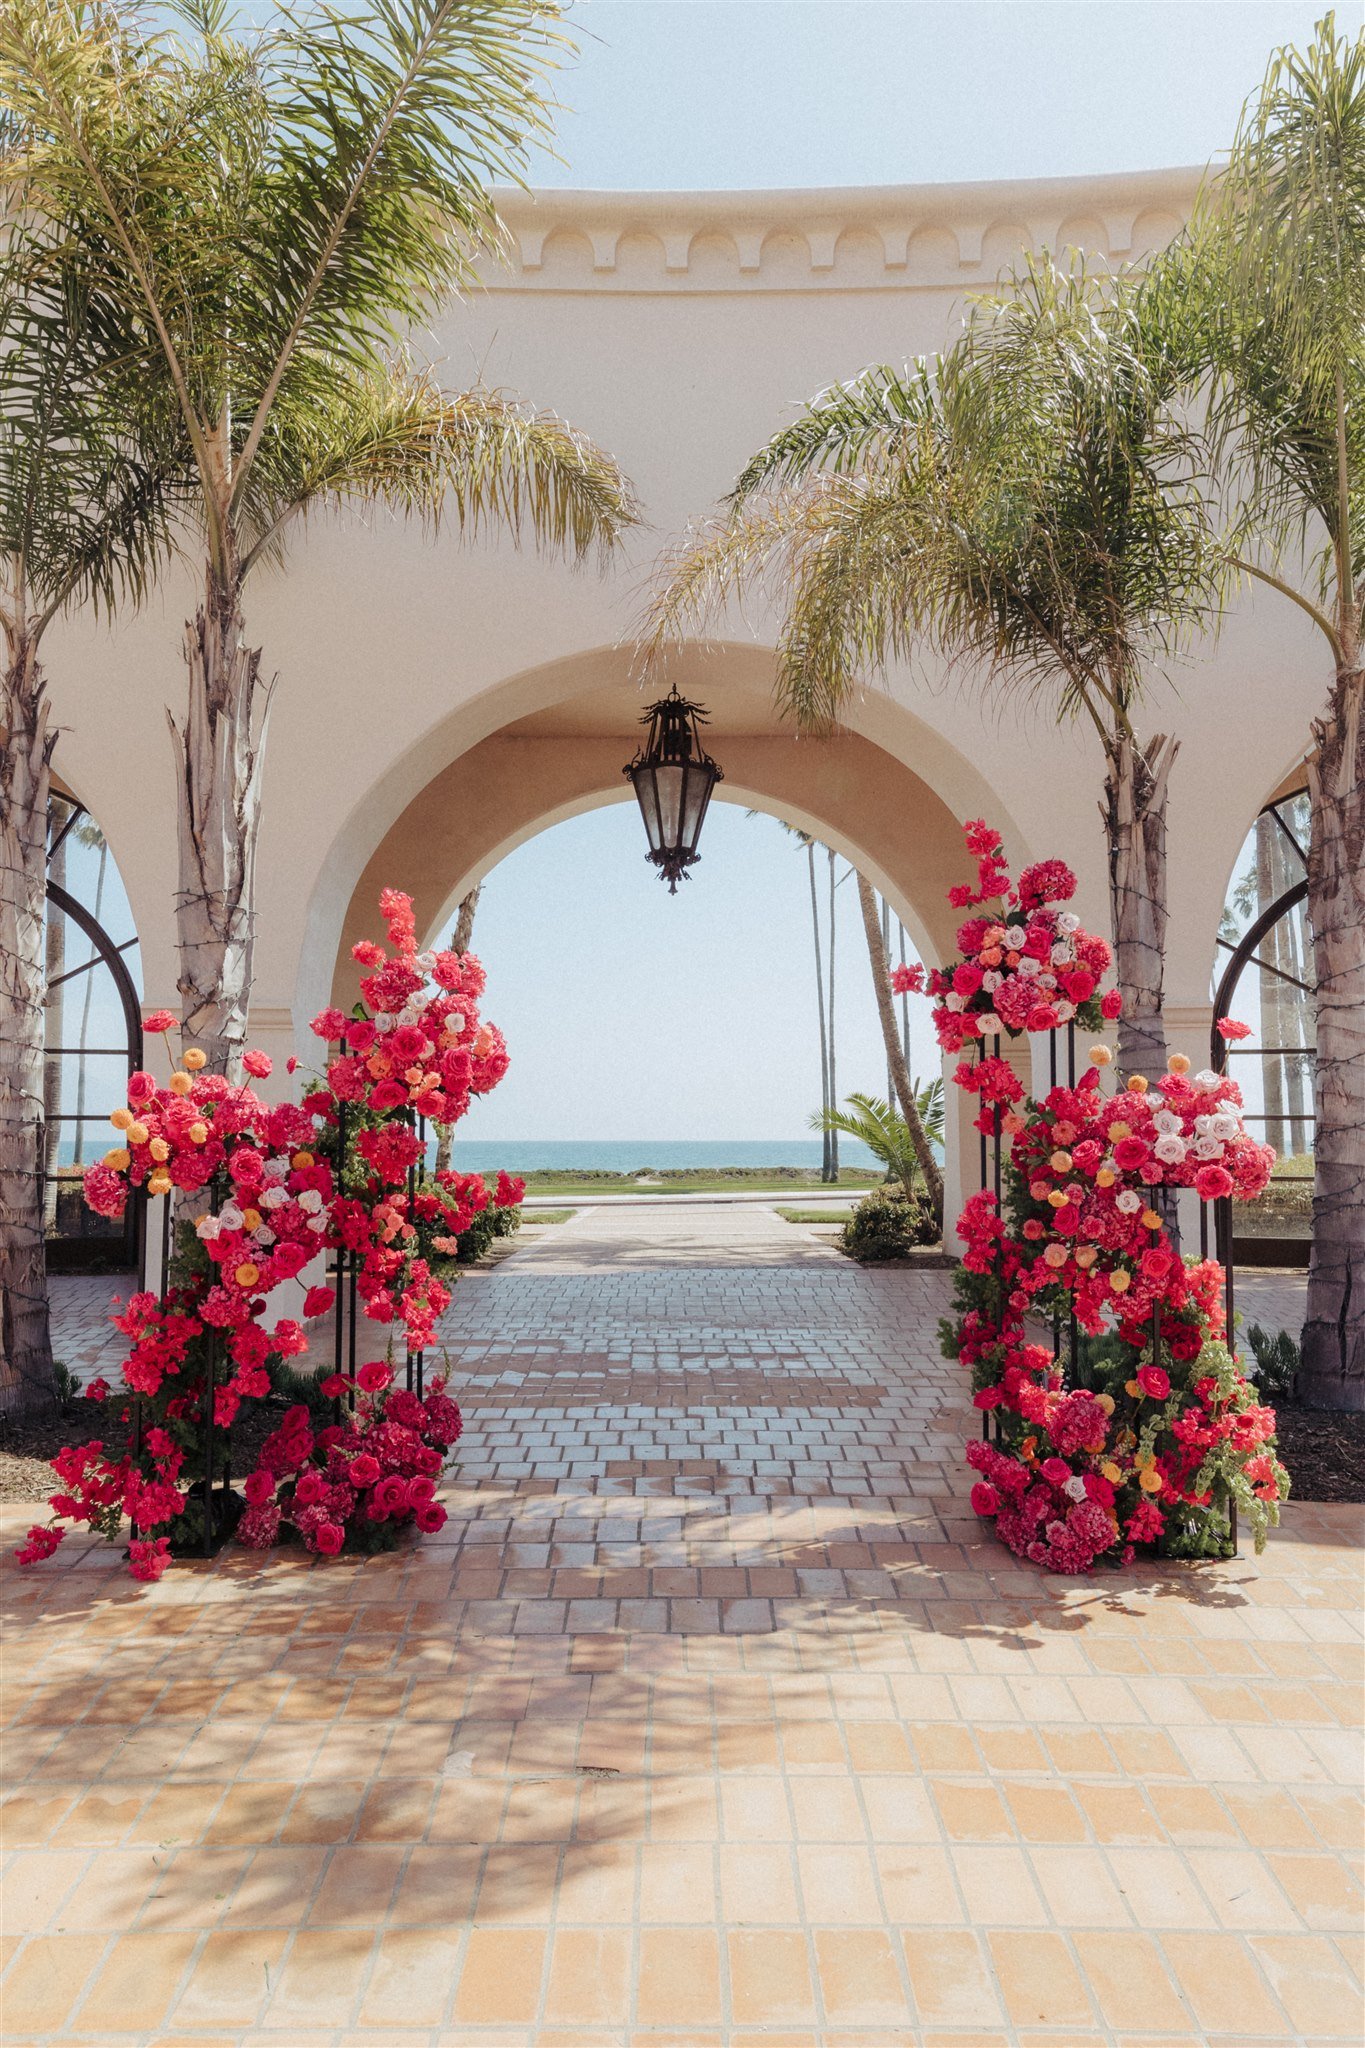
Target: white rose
x=455 y=1022
x=276 y=1168
x=317 y=1222
x=1170 y=1150
x=1015 y=936
x=208 y=1228
x=426 y=961
x=1068 y=921
x=1028 y=967
x=992 y=980
x=1167 y=1122
x=230 y=1216
x=990 y=1025
x=1207 y=1148
x=1074 y=1487
x=1065 y=1012
x=263 y=1236
x=953 y=1001
x=1061 y=954
x=1128 y=1203
x=1207 y=1082
x=383 y=1022
x=310 y=1201
x=1224 y=1126
x=273 y=1198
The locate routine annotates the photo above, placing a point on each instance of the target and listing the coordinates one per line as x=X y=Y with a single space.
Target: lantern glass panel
x=670 y=782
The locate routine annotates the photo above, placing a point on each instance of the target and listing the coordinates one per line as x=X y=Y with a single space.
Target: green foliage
x=485 y=1229
x=886 y=1226
x=300 y=1390
x=1277 y=1362
x=884 y=1131
x=66 y=1385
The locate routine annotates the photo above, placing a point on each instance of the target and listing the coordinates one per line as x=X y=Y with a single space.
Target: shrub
x=486 y=1225
x=886 y=1226
x=1277 y=1363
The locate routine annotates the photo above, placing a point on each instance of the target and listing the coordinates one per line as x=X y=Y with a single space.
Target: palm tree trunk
x=895 y=1056
x=1333 y=1370
x=826 y=1101
x=833 y=1173
x=1134 y=812
x=460 y=942
x=886 y=951
x=218 y=760
x=26 y=1382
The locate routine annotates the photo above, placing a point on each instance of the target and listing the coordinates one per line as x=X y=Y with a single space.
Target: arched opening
x=93 y=1035
x=1266 y=982
x=875 y=795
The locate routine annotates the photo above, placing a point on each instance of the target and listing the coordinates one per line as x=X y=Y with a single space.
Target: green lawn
x=547 y=1215
x=815 y=1215
x=751 y=1180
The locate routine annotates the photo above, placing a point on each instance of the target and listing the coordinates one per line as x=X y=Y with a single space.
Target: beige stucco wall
x=678 y=330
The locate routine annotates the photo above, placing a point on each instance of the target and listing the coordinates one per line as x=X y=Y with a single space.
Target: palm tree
x=907 y=1090
x=82 y=521
x=1277 y=258
x=1017 y=503
x=276 y=216
x=886 y=1134
x=460 y=941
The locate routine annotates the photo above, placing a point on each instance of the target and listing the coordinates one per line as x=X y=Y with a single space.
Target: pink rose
x=985 y=1499
x=329 y=1538
x=1111 y=1004
x=1154 y=1382
x=308 y=1488
x=159 y=1021
x=364 y=1470
x=431 y=1518
x=374 y=1376
x=259 y=1487
x=257 y=1064
x=1229 y=1030
x=1211 y=1183
x=1130 y=1154
x=1056 y=1470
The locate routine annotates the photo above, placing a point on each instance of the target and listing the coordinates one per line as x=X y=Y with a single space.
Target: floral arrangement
x=281 y=1184
x=1028 y=965
x=359 y=1483
x=1153 y=1434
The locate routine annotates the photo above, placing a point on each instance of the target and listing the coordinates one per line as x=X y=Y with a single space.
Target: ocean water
x=633 y=1155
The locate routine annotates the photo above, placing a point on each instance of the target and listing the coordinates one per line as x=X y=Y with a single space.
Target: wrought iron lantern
x=673 y=777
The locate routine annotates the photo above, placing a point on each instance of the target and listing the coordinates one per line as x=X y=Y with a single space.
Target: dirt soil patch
x=1324 y=1451
x=28 y=1446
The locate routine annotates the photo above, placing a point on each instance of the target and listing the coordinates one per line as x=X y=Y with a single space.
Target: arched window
x=93 y=1036
x=1266 y=980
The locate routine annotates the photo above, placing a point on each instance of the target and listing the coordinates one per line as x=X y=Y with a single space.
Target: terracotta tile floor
x=709 y=1718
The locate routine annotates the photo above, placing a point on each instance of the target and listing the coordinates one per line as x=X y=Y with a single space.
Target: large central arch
x=478 y=800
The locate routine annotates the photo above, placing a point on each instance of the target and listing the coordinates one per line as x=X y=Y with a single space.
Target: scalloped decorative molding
x=910 y=237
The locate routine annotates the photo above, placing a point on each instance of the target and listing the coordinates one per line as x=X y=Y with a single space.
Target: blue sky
x=706 y=93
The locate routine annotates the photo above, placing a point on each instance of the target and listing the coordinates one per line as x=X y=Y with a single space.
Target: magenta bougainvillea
x=1145 y=1432
x=276 y=1187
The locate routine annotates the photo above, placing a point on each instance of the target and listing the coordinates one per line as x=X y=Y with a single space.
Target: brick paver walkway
x=711 y=1717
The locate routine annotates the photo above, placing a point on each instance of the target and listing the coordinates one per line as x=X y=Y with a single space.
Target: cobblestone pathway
x=710 y=1718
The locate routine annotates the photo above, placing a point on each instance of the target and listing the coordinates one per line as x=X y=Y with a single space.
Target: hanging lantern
x=673 y=777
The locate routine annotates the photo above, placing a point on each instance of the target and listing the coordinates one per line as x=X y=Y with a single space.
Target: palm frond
x=873 y=1122
x=394 y=438
x=843 y=428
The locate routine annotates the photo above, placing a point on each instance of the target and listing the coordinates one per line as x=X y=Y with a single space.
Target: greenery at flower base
x=1150 y=1435
x=282 y=1185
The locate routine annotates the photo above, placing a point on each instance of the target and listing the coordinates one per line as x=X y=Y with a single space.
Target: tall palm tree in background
x=83 y=520
x=461 y=939
x=907 y=1090
x=1276 y=264
x=276 y=215
x=1019 y=505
